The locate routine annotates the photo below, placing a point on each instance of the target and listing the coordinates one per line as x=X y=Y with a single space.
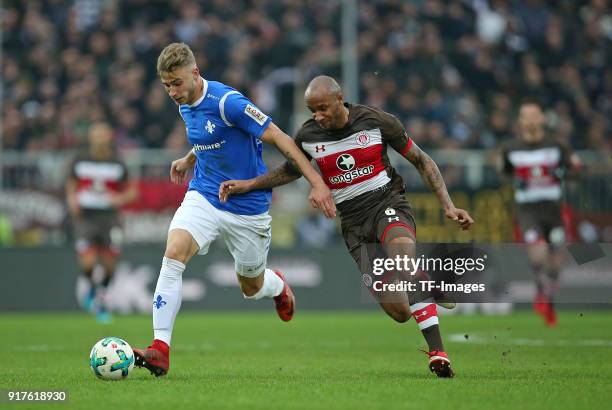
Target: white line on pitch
x=525 y=341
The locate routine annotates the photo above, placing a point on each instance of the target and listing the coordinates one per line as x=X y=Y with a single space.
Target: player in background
x=537 y=164
x=96 y=188
x=349 y=144
x=226 y=131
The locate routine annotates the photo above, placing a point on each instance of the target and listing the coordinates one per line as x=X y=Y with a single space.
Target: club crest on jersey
x=362 y=139
x=255 y=114
x=345 y=162
x=210 y=127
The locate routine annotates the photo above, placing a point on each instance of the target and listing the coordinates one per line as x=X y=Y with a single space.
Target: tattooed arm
x=320 y=195
x=430 y=173
x=286 y=146
x=284 y=174
x=433 y=178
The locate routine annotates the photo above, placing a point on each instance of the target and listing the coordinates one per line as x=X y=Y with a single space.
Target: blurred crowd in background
x=453 y=71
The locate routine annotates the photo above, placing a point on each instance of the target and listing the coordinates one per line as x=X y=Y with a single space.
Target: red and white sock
x=425 y=313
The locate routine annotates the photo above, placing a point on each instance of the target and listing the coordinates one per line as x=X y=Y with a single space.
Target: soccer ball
x=111 y=359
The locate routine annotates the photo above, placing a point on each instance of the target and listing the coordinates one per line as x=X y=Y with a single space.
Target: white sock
x=272 y=286
x=167 y=298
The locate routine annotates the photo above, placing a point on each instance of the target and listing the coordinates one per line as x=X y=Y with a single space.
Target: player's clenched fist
x=462 y=217
x=180 y=168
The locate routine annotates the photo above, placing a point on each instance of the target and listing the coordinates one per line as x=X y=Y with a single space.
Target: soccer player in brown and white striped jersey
x=349 y=144
x=537 y=163
x=96 y=187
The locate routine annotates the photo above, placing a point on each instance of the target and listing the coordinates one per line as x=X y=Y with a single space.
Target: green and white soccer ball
x=111 y=359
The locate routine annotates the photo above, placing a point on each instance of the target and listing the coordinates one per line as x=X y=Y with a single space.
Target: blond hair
x=173 y=56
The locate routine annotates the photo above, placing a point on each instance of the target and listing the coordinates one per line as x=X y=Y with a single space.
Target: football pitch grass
x=320 y=360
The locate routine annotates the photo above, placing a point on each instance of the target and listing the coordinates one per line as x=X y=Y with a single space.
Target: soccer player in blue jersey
x=226 y=131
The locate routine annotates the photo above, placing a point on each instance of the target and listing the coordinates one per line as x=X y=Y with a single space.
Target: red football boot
x=156 y=358
x=550 y=316
x=540 y=304
x=440 y=364
x=285 y=302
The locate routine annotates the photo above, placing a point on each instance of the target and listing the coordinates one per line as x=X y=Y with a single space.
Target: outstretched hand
x=462 y=217
x=231 y=187
x=320 y=196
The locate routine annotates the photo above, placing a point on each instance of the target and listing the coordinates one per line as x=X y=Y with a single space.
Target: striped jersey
x=536 y=169
x=97 y=180
x=353 y=160
x=224 y=128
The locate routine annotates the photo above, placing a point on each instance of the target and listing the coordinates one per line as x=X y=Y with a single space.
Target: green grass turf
x=325 y=360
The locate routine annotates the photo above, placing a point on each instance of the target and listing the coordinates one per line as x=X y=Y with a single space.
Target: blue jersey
x=224 y=128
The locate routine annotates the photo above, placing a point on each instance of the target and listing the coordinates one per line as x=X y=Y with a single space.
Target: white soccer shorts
x=247 y=236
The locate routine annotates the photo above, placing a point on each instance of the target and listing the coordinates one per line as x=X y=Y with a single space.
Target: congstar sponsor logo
x=350 y=176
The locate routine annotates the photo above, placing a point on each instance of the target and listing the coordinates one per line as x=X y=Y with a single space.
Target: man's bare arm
x=282 y=175
x=433 y=178
x=71 y=196
x=320 y=195
x=286 y=146
x=129 y=194
x=430 y=173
